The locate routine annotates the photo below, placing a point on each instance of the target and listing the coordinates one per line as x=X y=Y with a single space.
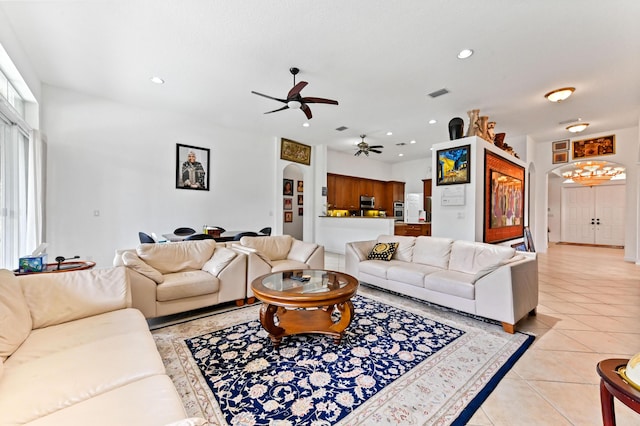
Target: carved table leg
x=267 y=316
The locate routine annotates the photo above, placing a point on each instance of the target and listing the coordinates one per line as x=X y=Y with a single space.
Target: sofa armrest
x=316 y=260
x=233 y=279
x=62 y=297
x=257 y=264
x=143 y=293
x=356 y=252
x=510 y=292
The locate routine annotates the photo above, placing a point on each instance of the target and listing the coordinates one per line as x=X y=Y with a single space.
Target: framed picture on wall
x=288 y=217
x=503 y=199
x=300 y=211
x=192 y=167
x=300 y=186
x=295 y=151
x=300 y=199
x=287 y=203
x=561 y=145
x=594 y=147
x=287 y=186
x=453 y=165
x=560 y=157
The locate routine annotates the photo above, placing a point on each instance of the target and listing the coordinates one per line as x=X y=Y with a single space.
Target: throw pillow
x=383 y=251
x=15 y=315
x=220 y=259
x=131 y=260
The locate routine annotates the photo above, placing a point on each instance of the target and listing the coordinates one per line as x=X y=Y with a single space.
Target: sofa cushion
x=220 y=259
x=453 y=283
x=287 y=264
x=180 y=285
x=432 y=251
x=301 y=251
x=1 y=367
x=275 y=248
x=382 y=251
x=14 y=314
x=411 y=273
x=471 y=257
x=378 y=268
x=405 y=246
x=134 y=262
x=175 y=257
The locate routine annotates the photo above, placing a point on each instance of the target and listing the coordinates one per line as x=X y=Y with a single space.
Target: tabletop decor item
x=456 y=128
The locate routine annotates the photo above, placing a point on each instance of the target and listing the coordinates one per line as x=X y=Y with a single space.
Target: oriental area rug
x=396 y=365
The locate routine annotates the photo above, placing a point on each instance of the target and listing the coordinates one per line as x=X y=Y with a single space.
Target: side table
x=612 y=385
x=64 y=267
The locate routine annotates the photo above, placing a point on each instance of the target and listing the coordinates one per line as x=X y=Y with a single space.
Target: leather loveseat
x=277 y=253
x=486 y=280
x=73 y=352
x=168 y=278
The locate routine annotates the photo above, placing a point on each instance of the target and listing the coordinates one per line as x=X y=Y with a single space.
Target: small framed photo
x=287 y=203
x=288 y=217
x=300 y=211
x=561 y=145
x=287 y=186
x=300 y=199
x=192 y=167
x=300 y=186
x=560 y=157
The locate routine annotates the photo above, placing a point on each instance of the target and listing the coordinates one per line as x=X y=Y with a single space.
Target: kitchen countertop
x=357 y=217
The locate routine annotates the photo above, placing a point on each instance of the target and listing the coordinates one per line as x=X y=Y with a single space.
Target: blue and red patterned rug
x=393 y=366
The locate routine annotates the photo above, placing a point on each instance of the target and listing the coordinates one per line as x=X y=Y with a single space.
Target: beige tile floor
x=589 y=310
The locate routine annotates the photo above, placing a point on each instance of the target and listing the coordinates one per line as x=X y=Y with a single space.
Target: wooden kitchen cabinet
x=343 y=192
x=397 y=191
x=381 y=194
x=427 y=187
x=347 y=193
x=412 y=229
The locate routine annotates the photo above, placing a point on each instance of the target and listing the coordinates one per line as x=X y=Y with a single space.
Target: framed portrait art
x=295 y=151
x=594 y=147
x=288 y=217
x=192 y=167
x=287 y=186
x=503 y=199
x=287 y=204
x=453 y=165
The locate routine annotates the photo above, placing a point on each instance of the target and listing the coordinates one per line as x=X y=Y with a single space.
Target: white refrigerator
x=414 y=212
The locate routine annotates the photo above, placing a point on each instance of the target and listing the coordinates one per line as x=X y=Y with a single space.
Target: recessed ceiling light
x=465 y=53
x=400 y=155
x=389 y=133
x=560 y=95
x=433 y=121
x=305 y=124
x=157 y=80
x=413 y=141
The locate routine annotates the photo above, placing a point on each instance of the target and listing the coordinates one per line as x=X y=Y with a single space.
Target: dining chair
x=198 y=237
x=266 y=231
x=145 y=238
x=184 y=231
x=244 y=234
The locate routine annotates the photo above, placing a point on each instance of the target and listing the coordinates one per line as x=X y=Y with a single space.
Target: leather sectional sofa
x=73 y=352
x=486 y=280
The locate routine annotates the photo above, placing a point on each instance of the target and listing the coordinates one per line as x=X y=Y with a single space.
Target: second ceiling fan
x=295 y=100
x=365 y=148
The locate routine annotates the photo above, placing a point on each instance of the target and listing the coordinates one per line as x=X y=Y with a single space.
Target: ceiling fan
x=365 y=148
x=294 y=100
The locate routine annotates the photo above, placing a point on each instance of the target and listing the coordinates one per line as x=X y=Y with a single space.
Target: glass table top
x=307 y=281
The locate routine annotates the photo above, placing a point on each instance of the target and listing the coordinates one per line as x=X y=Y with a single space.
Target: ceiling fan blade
x=295 y=90
x=376 y=146
x=375 y=150
x=307 y=111
x=279 y=109
x=270 y=97
x=312 y=100
x=358 y=153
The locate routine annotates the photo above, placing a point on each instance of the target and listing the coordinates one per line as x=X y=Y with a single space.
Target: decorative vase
x=456 y=128
x=481 y=131
x=499 y=140
x=491 y=131
x=473 y=122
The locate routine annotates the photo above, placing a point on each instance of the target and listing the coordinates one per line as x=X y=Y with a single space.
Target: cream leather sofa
x=487 y=280
x=277 y=253
x=168 y=278
x=73 y=352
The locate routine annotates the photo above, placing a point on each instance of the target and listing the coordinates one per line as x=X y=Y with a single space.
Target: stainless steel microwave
x=367 y=202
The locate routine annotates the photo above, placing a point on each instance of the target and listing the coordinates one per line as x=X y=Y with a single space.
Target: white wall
x=121 y=161
x=412 y=173
x=361 y=166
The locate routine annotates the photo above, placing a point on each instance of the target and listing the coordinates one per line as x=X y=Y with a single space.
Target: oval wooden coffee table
x=303 y=301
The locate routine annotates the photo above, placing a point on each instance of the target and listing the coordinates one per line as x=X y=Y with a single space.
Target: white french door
x=593 y=215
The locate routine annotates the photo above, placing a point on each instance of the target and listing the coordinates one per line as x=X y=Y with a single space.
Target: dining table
x=224 y=236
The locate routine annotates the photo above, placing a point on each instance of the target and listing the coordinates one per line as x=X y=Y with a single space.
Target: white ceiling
x=379 y=59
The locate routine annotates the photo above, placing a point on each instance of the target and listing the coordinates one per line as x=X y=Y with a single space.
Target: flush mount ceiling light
x=413 y=141
x=577 y=128
x=157 y=80
x=389 y=133
x=465 y=53
x=433 y=121
x=590 y=173
x=305 y=124
x=560 y=95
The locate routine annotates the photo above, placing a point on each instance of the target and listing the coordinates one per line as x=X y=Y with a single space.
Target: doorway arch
x=293 y=201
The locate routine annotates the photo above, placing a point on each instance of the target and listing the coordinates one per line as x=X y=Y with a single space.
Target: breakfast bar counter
x=334 y=232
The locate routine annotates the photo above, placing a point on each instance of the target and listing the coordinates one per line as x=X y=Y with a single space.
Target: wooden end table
x=303 y=301
x=64 y=267
x=612 y=385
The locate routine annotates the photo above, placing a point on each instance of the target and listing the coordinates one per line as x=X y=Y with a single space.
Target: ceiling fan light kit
x=294 y=99
x=365 y=148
